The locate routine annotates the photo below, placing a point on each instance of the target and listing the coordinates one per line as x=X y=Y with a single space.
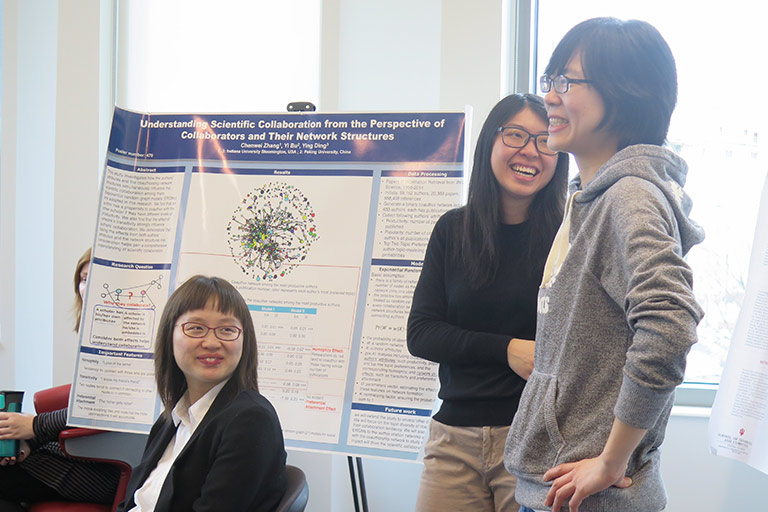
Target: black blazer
x=235 y=459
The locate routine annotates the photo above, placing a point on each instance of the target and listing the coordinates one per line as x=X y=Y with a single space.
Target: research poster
x=319 y=220
x=738 y=426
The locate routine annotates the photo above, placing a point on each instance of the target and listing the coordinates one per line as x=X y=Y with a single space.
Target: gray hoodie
x=616 y=319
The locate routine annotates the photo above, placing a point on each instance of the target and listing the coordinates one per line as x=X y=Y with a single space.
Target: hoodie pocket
x=534 y=443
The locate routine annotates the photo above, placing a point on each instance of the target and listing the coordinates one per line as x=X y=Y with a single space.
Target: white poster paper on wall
x=738 y=426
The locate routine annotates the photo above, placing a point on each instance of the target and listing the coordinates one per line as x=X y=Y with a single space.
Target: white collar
x=194 y=414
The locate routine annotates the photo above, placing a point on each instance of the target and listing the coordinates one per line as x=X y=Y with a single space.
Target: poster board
x=319 y=220
x=738 y=425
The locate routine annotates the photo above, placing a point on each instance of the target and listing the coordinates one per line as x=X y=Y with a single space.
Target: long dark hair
x=482 y=214
x=200 y=292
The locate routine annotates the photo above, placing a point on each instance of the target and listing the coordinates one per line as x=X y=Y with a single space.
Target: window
x=715 y=128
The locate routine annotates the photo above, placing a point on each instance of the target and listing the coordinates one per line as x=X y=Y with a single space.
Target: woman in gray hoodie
x=616 y=313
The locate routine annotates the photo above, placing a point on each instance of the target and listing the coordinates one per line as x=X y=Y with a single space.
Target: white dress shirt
x=186 y=418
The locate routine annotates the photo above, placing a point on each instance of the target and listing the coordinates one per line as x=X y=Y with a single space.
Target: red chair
x=75 y=443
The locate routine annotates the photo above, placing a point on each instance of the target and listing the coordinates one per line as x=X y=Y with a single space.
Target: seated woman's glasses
x=223 y=332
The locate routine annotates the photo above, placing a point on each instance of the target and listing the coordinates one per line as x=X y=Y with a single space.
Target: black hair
x=482 y=214
x=632 y=68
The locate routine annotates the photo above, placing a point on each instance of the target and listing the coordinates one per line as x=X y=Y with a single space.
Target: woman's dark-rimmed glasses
x=518 y=137
x=561 y=83
x=223 y=332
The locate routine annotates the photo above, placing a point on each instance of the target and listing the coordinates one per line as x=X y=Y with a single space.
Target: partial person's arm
x=42 y=428
x=654 y=285
x=32 y=430
x=520 y=356
x=16 y=425
x=574 y=481
x=48 y=425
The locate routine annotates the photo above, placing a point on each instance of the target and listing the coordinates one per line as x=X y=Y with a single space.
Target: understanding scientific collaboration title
x=241 y=124
x=282 y=124
x=203 y=130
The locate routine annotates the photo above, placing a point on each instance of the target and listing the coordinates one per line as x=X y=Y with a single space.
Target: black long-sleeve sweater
x=467 y=330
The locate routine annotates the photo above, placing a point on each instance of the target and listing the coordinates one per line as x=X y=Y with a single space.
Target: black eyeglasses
x=561 y=83
x=518 y=137
x=224 y=332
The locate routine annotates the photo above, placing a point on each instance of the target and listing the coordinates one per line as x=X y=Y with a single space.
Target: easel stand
x=358 y=491
x=361 y=480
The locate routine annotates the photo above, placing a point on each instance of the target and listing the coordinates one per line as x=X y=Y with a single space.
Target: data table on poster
x=285 y=336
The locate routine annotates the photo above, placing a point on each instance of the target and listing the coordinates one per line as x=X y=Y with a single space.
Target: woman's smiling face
x=521 y=172
x=574 y=117
x=206 y=361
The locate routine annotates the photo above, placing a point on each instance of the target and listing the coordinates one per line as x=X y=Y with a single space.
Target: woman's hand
x=15 y=425
x=23 y=454
x=24 y=451
x=520 y=356
x=577 y=480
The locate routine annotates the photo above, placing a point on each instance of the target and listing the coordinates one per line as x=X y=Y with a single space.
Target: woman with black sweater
x=474 y=307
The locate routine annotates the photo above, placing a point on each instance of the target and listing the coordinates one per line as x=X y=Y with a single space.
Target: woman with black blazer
x=218 y=444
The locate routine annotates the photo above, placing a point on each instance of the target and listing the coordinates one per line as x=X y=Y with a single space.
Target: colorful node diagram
x=272 y=231
x=137 y=295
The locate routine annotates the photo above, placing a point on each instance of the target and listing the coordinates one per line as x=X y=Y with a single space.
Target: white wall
x=225 y=59
x=53 y=105
x=421 y=55
x=83 y=112
x=388 y=60
x=9 y=91
x=697 y=480
x=28 y=133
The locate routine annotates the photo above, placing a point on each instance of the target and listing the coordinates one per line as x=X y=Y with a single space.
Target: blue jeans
x=526 y=509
